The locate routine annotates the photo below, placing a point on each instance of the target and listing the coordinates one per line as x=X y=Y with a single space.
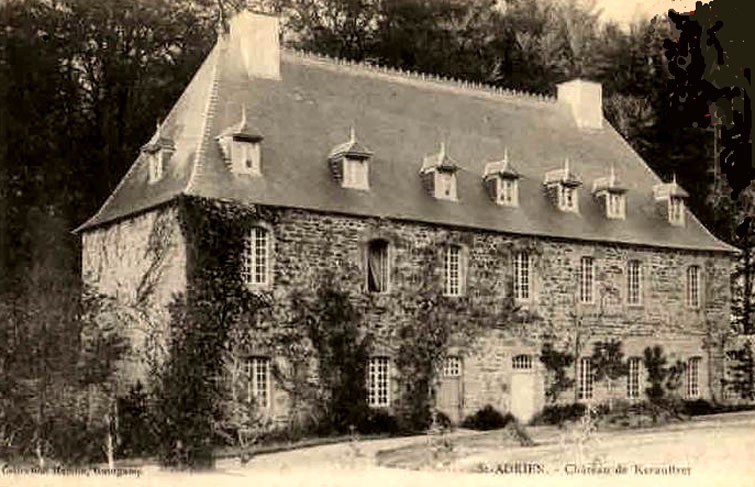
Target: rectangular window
x=453 y=270
x=254 y=262
x=567 y=198
x=355 y=173
x=378 y=382
x=257 y=371
x=676 y=210
x=586 y=279
x=693 y=377
x=633 y=378
x=521 y=362
x=246 y=157
x=522 y=276
x=693 y=286
x=584 y=379
x=155 y=166
x=445 y=182
x=452 y=366
x=508 y=192
x=615 y=207
x=377 y=266
x=634 y=279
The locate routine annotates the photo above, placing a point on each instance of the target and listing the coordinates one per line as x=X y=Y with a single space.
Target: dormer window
x=611 y=192
x=502 y=182
x=562 y=186
x=349 y=163
x=158 y=151
x=241 y=147
x=670 y=199
x=438 y=175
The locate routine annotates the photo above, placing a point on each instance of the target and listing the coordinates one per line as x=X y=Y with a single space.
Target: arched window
x=378 y=266
x=255 y=261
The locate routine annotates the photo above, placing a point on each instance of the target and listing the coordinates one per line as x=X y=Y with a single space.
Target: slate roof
x=402 y=118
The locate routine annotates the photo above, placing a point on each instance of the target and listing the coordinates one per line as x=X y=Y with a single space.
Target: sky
x=626 y=11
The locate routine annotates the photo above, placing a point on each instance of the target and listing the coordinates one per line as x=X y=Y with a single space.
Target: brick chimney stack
x=257 y=38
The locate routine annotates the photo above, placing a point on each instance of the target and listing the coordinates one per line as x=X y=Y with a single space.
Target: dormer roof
x=669 y=190
x=351 y=148
x=502 y=168
x=563 y=176
x=158 y=141
x=439 y=161
x=242 y=130
x=609 y=184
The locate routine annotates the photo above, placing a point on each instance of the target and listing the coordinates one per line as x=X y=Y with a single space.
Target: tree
x=556 y=362
x=609 y=364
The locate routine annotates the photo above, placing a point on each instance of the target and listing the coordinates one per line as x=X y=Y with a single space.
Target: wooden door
x=450 y=392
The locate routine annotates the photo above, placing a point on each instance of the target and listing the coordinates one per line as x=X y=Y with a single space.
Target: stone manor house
x=516 y=195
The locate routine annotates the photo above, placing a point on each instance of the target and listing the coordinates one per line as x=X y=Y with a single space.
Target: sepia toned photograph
x=376 y=242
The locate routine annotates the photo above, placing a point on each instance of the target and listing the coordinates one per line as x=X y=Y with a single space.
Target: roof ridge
x=427 y=78
x=207 y=115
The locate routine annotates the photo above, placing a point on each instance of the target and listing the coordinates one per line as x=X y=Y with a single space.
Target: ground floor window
x=257 y=371
x=378 y=382
x=452 y=366
x=693 y=377
x=521 y=362
x=633 y=378
x=584 y=379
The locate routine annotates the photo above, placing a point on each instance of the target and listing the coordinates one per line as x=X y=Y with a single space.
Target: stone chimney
x=586 y=101
x=257 y=40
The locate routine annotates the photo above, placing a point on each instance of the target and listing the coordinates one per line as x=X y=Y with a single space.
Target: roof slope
x=402 y=118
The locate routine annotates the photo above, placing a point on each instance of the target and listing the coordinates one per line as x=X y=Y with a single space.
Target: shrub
x=442 y=420
x=379 y=421
x=487 y=418
x=558 y=414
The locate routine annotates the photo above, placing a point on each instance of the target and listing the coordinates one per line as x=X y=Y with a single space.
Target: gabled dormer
x=612 y=194
x=350 y=163
x=562 y=187
x=158 y=152
x=438 y=175
x=502 y=182
x=669 y=199
x=241 y=147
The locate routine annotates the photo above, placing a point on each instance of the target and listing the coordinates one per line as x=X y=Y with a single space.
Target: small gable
x=612 y=195
x=670 y=201
x=561 y=186
x=240 y=145
x=501 y=182
x=158 y=152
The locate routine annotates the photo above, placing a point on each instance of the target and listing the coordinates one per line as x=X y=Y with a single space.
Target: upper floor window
x=257 y=370
x=355 y=173
x=633 y=377
x=378 y=382
x=615 y=205
x=453 y=271
x=245 y=156
x=584 y=379
x=255 y=262
x=508 y=194
x=676 y=210
x=445 y=187
x=693 y=377
x=693 y=286
x=155 y=166
x=567 y=198
x=378 y=268
x=586 y=279
x=634 y=282
x=522 y=276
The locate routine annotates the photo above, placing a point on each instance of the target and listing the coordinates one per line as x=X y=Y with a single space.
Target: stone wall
x=141 y=262
x=309 y=243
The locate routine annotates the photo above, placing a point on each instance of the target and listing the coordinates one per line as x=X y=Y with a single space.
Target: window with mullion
x=586 y=279
x=693 y=377
x=255 y=262
x=378 y=381
x=585 y=379
x=634 y=282
x=453 y=270
x=693 y=286
x=258 y=380
x=522 y=276
x=633 y=378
